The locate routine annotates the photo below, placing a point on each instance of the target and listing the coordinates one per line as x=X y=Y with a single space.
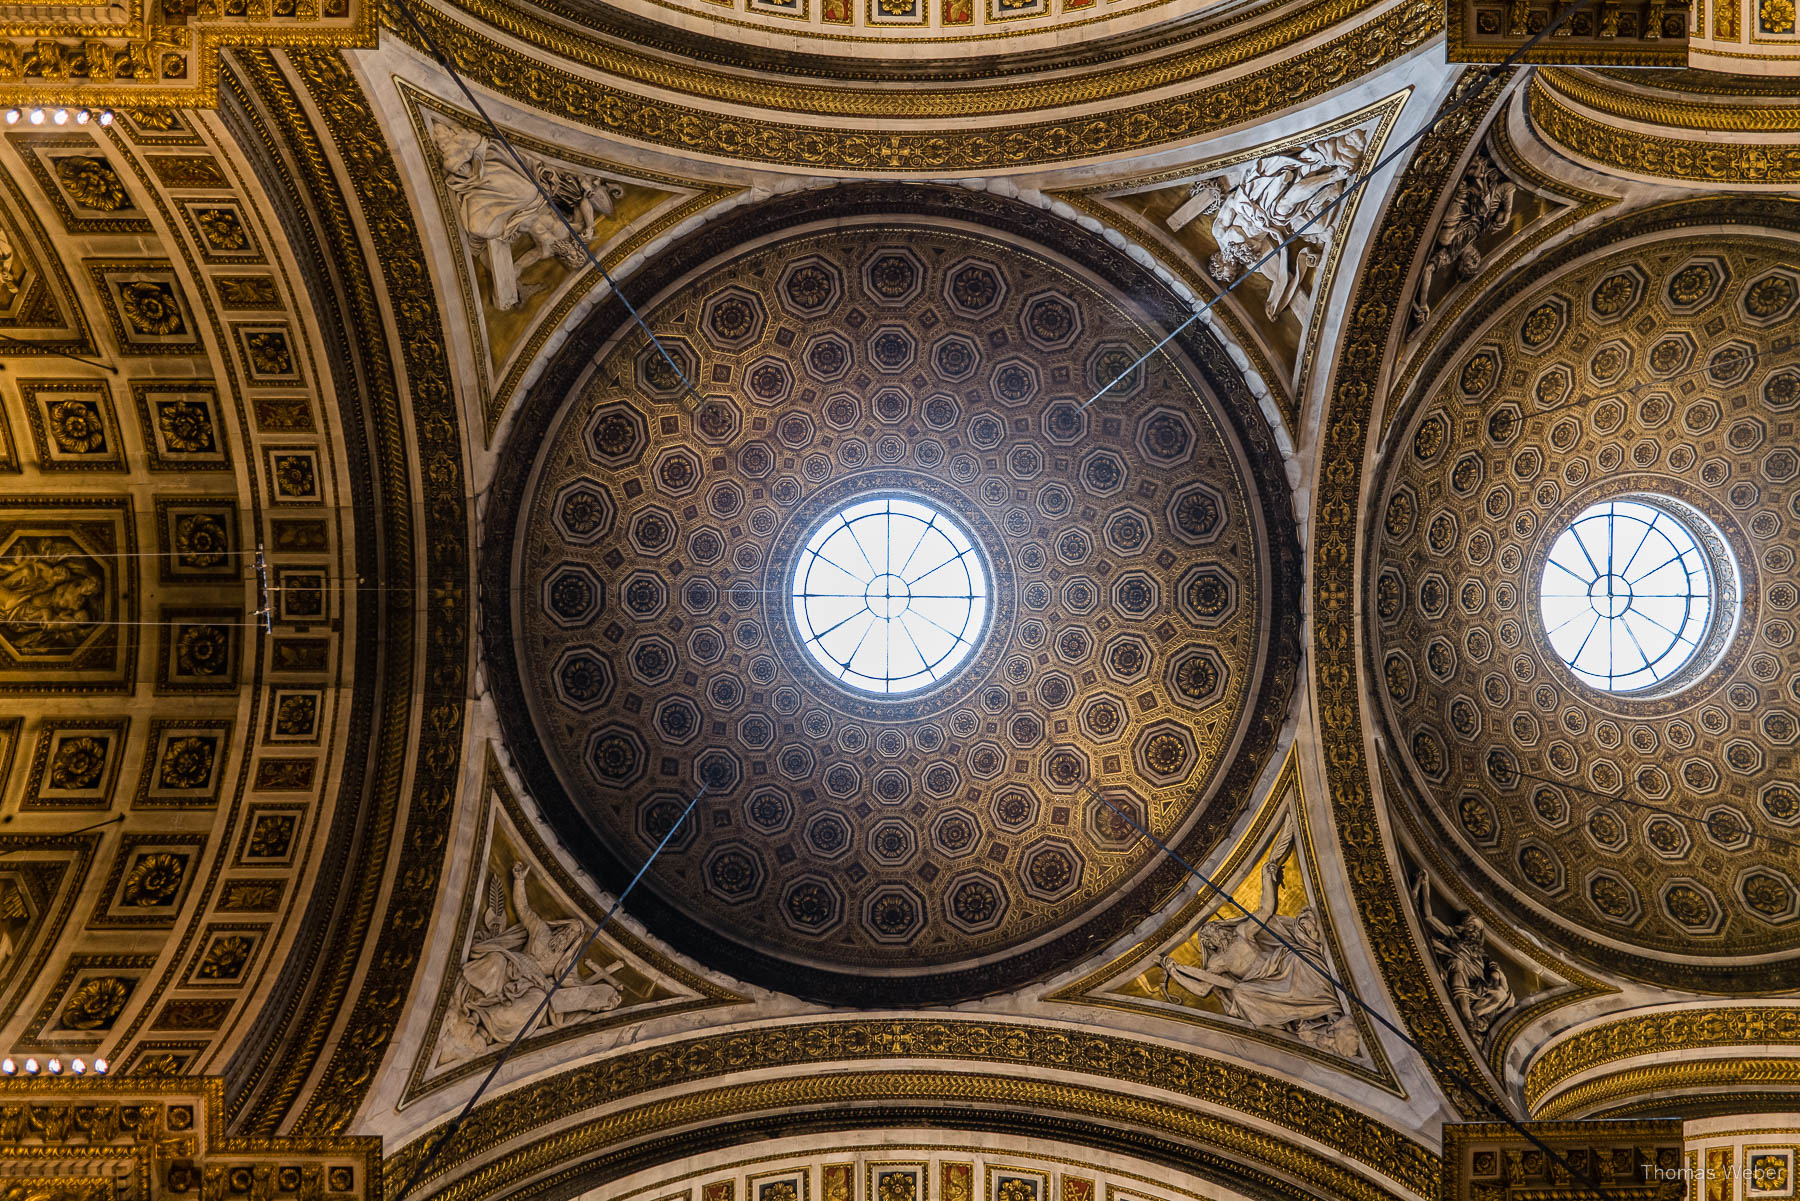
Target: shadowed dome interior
x=1103 y=617
x=1630 y=397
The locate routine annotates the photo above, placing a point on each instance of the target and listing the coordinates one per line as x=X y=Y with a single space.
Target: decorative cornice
x=1656 y=1087
x=467 y=1171
x=1718 y=161
x=849 y=89
x=617 y=113
x=1681 y=1030
x=1721 y=114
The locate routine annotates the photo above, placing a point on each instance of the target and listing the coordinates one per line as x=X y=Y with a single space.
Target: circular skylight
x=889 y=595
x=1627 y=596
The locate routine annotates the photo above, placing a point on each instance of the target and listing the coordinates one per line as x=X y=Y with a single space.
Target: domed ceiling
x=940 y=841
x=1634 y=824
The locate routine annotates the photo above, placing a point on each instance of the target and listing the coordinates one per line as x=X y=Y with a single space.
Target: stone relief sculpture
x=510 y=969
x=51 y=595
x=1258 y=205
x=497 y=204
x=1478 y=986
x=1260 y=980
x=1482 y=204
x=9 y=266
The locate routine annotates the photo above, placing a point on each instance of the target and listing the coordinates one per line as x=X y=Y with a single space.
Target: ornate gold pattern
x=1656 y=1033
x=1655 y=1087
x=586 y=101
x=1715 y=161
x=471 y=1162
x=102 y=1138
x=1607 y=95
x=159 y=52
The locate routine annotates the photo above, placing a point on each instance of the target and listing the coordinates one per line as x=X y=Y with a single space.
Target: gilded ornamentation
x=153 y=881
x=97 y=1003
x=79 y=764
x=1775 y=16
x=897 y=1186
x=225 y=959
x=703 y=132
x=1716 y=161
x=1647 y=1035
x=92 y=182
x=151 y=309
x=222 y=228
x=202 y=541
x=584 y=1089
x=187 y=763
x=186 y=426
x=77 y=427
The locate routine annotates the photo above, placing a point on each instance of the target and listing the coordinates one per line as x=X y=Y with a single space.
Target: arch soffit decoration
x=1348 y=1154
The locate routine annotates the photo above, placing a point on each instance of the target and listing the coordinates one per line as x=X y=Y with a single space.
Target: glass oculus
x=1628 y=595
x=889 y=595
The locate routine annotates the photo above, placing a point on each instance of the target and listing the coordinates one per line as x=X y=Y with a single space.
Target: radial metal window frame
x=1629 y=595
x=890 y=595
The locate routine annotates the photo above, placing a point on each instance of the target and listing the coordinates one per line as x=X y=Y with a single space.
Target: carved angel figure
x=497 y=203
x=1261 y=204
x=1262 y=981
x=512 y=967
x=1478 y=986
x=1482 y=204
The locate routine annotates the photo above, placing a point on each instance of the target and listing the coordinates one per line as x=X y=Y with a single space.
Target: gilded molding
x=609 y=1082
x=1711 y=162
x=1656 y=1085
x=159 y=53
x=1606 y=96
x=1656 y=1033
x=617 y=113
x=138 y=1136
x=845 y=93
x=1375 y=312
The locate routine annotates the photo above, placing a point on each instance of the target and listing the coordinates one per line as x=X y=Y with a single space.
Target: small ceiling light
x=77 y=1066
x=31 y=1067
x=55 y=1066
x=83 y=116
x=60 y=116
x=100 y=1066
x=106 y=116
x=8 y=1066
x=37 y=116
x=12 y=116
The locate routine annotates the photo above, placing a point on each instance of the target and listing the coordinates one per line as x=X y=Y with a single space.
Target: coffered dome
x=1063 y=596
x=1582 y=601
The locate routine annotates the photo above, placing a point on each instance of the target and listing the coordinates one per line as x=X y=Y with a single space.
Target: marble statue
x=512 y=967
x=1258 y=205
x=497 y=203
x=1261 y=980
x=1478 y=986
x=1481 y=204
